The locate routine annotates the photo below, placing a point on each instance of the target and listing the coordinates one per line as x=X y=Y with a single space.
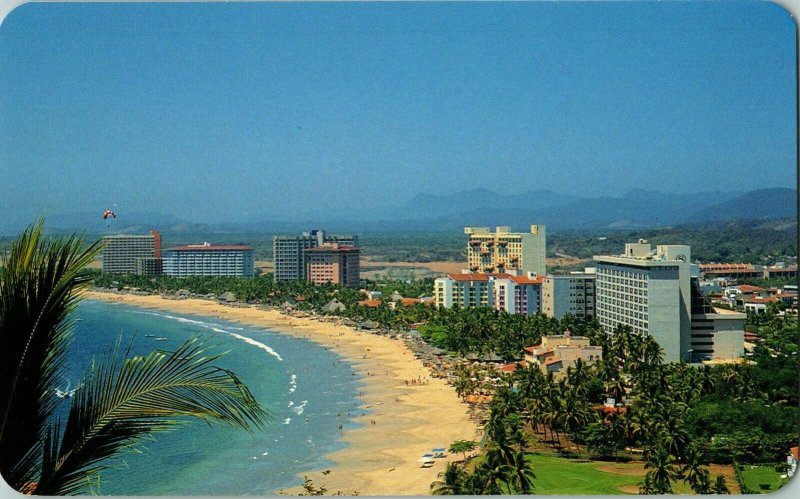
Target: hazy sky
x=234 y=112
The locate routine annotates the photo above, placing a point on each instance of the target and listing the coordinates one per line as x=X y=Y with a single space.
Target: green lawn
x=558 y=476
x=754 y=476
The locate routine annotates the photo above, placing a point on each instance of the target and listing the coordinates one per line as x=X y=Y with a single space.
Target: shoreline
x=405 y=420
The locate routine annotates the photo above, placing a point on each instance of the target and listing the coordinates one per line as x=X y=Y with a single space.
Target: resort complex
x=695 y=312
x=393 y=249
x=574 y=353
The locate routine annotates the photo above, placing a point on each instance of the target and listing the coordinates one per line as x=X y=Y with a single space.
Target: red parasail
x=109 y=213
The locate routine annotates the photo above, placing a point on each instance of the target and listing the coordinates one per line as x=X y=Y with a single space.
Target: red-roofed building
x=468 y=277
x=778 y=271
x=607 y=410
x=370 y=303
x=512 y=293
x=510 y=368
x=758 y=304
x=732 y=270
x=788 y=299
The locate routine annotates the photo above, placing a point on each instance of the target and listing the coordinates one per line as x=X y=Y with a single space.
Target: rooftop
x=333 y=248
x=519 y=279
x=791 y=268
x=211 y=247
x=759 y=299
x=370 y=303
x=510 y=368
x=725 y=311
x=726 y=266
x=642 y=254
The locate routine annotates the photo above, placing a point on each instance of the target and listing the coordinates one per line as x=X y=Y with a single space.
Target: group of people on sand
x=419 y=381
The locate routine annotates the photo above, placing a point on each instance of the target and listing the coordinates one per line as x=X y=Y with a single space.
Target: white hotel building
x=209 y=260
x=572 y=293
x=656 y=294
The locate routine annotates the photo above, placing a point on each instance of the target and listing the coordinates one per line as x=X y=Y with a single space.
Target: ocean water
x=308 y=389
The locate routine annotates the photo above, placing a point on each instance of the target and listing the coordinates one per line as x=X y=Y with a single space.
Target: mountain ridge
x=636 y=208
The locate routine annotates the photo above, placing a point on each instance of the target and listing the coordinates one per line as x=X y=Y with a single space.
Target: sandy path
x=410 y=420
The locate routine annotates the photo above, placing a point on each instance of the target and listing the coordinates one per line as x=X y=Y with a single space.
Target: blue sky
x=218 y=112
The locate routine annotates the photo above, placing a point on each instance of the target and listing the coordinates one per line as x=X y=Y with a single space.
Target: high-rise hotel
x=289 y=252
x=571 y=293
x=505 y=251
x=132 y=254
x=209 y=260
x=332 y=263
x=655 y=292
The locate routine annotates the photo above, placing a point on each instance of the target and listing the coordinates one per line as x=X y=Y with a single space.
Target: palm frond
x=121 y=404
x=39 y=287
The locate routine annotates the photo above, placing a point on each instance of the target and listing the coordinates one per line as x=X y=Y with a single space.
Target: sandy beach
x=405 y=420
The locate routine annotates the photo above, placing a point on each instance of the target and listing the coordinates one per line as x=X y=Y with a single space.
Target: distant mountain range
x=429 y=212
x=636 y=208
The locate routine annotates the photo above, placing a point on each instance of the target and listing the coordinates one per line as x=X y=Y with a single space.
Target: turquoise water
x=308 y=389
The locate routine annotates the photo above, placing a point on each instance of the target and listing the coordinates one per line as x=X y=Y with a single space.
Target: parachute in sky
x=109 y=215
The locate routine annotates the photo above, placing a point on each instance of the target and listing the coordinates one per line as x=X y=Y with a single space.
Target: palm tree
x=488 y=477
x=647 y=487
x=120 y=403
x=695 y=473
x=720 y=486
x=661 y=471
x=451 y=483
x=652 y=353
x=675 y=436
x=521 y=474
x=496 y=434
x=575 y=415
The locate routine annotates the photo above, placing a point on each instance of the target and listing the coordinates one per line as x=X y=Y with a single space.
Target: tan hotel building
x=504 y=251
x=333 y=264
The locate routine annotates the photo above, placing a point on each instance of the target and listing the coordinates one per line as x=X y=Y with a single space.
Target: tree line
x=679 y=417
